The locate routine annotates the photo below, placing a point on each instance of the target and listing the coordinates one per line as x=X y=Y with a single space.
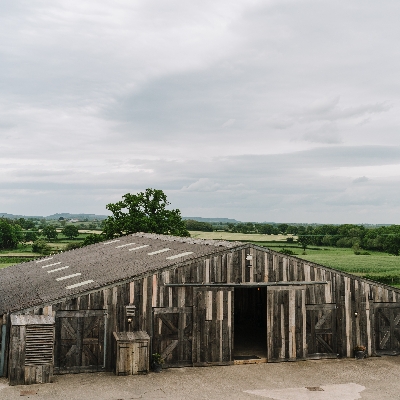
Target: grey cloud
x=328 y=133
x=361 y=179
x=234 y=108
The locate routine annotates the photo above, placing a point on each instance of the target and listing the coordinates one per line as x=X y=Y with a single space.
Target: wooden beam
x=247 y=284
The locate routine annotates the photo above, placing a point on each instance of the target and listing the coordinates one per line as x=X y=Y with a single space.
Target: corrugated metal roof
x=46 y=280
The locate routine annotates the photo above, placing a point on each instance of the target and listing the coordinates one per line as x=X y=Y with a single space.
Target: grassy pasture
x=378 y=266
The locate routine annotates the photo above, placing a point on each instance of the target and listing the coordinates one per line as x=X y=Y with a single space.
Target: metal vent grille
x=39 y=344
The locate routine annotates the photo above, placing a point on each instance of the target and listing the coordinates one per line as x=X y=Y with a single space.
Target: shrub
x=40 y=246
x=92 y=239
x=72 y=246
x=287 y=252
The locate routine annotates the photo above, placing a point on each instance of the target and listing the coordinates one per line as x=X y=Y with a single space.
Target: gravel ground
x=372 y=378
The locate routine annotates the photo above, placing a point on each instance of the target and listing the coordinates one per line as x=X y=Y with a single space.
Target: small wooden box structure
x=31 y=349
x=132 y=353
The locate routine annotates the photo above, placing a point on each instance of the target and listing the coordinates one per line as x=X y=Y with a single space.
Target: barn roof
x=89 y=268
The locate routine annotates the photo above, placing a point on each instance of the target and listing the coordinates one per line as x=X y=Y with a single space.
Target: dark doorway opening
x=250 y=323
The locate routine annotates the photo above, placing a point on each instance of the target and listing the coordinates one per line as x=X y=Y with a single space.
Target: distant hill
x=223 y=220
x=89 y=217
x=13 y=216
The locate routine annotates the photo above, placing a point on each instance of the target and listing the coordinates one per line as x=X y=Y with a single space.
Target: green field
x=378 y=266
x=24 y=252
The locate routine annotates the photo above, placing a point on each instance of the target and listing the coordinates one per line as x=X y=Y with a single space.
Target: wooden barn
x=109 y=306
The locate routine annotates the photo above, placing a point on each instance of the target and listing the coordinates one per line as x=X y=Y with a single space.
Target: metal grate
x=39 y=344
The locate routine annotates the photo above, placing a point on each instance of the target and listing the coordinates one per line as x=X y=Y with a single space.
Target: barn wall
x=287 y=309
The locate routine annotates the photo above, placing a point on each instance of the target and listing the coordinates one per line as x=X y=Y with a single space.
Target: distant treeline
x=358 y=237
x=384 y=238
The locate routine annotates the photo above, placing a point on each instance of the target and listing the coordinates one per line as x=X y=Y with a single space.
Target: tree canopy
x=70 y=231
x=10 y=234
x=144 y=212
x=50 y=232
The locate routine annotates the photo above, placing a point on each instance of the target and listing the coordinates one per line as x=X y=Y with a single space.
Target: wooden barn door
x=387 y=329
x=321 y=330
x=172 y=335
x=79 y=343
x=212 y=326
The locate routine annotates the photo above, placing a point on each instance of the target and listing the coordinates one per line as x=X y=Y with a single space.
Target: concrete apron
x=347 y=391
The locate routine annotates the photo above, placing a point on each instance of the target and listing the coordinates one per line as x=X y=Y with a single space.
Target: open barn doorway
x=250 y=324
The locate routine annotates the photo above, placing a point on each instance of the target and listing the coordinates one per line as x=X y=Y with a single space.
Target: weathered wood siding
x=353 y=299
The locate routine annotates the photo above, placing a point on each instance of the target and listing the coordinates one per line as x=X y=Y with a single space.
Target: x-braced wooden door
x=172 y=335
x=387 y=329
x=79 y=343
x=321 y=330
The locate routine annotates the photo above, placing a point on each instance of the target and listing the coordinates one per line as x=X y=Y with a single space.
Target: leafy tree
x=266 y=229
x=283 y=228
x=40 y=246
x=293 y=229
x=10 y=234
x=50 y=232
x=70 y=231
x=92 y=239
x=304 y=241
x=30 y=236
x=25 y=223
x=144 y=212
x=392 y=244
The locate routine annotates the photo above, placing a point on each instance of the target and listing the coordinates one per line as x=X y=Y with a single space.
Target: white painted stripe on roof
x=50 y=265
x=179 y=255
x=79 y=284
x=124 y=245
x=158 y=252
x=112 y=241
x=68 y=276
x=45 y=259
x=57 y=269
x=140 y=247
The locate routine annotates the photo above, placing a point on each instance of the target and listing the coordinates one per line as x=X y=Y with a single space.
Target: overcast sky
x=283 y=111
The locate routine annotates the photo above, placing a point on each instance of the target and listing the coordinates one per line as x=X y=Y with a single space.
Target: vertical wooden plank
x=220 y=305
x=292 y=324
x=154 y=291
x=229 y=269
x=224 y=267
x=131 y=292
x=284 y=269
x=3 y=335
x=252 y=264
x=209 y=305
x=195 y=334
x=266 y=268
x=270 y=324
x=348 y=310
x=218 y=268
x=283 y=331
x=243 y=266
x=230 y=308
x=307 y=272
x=207 y=270
x=144 y=305
x=304 y=313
